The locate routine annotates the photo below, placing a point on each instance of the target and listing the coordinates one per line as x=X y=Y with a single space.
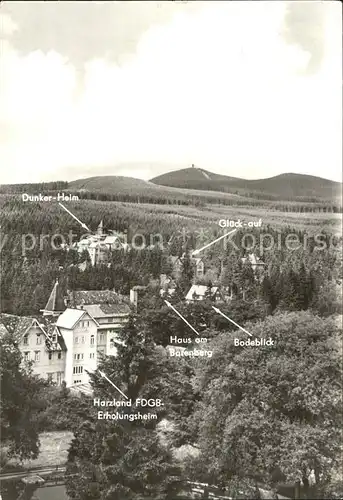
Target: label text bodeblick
x=255 y=342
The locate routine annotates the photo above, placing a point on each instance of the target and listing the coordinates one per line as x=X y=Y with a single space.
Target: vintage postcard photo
x=171 y=250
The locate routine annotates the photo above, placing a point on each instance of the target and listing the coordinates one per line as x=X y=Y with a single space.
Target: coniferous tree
x=125 y=459
x=187 y=274
x=20 y=402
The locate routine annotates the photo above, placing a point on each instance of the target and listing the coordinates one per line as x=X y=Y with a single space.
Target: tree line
x=252 y=418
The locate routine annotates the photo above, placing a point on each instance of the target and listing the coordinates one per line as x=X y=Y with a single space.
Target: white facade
x=65 y=346
x=79 y=331
x=46 y=363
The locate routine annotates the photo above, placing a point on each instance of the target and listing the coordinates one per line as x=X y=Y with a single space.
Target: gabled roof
x=52 y=329
x=254 y=261
x=56 y=301
x=111 y=239
x=17 y=325
x=70 y=317
x=200 y=291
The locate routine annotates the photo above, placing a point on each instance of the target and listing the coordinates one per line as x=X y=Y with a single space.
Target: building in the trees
x=177 y=266
x=100 y=245
x=39 y=344
x=257 y=264
x=72 y=333
x=202 y=292
x=167 y=285
x=79 y=330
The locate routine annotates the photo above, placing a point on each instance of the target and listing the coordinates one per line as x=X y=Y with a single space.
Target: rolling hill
x=284 y=187
x=115 y=185
x=194 y=186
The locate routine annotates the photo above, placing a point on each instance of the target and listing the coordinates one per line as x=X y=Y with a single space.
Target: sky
x=246 y=89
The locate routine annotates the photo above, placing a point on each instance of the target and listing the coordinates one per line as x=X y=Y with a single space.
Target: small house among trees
x=202 y=292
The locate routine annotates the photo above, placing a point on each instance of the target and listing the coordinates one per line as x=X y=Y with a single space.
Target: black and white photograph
x=171 y=250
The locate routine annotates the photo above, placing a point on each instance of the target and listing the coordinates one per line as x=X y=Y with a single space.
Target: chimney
x=134 y=297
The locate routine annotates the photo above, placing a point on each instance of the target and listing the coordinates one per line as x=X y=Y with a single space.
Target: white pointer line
x=212 y=242
x=68 y=211
x=226 y=317
x=177 y=312
x=110 y=381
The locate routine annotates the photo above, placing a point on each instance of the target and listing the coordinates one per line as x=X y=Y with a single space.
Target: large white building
x=100 y=245
x=72 y=333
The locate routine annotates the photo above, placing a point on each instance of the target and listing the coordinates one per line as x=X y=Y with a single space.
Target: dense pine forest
x=240 y=414
x=134 y=191
x=33 y=257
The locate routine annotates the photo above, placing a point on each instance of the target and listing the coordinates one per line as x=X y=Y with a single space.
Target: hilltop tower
x=55 y=305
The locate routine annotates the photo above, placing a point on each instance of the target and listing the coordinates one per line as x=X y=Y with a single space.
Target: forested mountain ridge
x=195 y=185
x=285 y=186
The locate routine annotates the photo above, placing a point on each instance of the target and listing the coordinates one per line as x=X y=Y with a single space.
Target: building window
x=110 y=320
x=59 y=355
x=77 y=382
x=92 y=355
x=26 y=339
x=38 y=339
x=76 y=340
x=50 y=355
x=37 y=355
x=59 y=377
x=111 y=344
x=83 y=339
x=92 y=339
x=26 y=356
x=77 y=369
x=50 y=377
x=54 y=338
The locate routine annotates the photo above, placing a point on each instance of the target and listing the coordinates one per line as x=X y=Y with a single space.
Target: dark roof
x=55 y=302
x=83 y=297
x=50 y=330
x=103 y=310
x=17 y=325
